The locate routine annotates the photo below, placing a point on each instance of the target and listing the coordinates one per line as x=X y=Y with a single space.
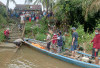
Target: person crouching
x=6 y=34
x=18 y=42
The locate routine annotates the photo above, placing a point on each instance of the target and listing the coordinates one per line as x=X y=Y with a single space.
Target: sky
x=11 y=4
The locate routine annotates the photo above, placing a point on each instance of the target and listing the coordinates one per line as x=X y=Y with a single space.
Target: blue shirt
x=60 y=41
x=75 y=35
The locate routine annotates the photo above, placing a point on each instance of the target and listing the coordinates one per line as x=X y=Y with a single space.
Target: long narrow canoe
x=63 y=58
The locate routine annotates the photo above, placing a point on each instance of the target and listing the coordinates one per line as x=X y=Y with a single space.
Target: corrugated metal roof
x=28 y=7
x=1 y=3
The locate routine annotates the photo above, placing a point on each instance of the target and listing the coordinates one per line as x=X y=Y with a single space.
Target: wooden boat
x=63 y=58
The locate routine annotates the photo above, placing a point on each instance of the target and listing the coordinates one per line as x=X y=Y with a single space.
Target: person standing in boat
x=96 y=45
x=74 y=42
x=54 y=43
x=48 y=41
x=59 y=42
x=64 y=41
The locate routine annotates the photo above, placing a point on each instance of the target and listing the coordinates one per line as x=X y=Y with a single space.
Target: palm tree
x=28 y=1
x=46 y=3
x=7 y=4
x=91 y=7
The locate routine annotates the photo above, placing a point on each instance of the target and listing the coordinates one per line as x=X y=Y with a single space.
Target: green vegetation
x=3 y=22
x=37 y=30
x=40 y=37
x=84 y=39
x=2 y=38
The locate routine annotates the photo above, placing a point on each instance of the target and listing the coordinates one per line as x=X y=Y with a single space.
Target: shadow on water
x=28 y=57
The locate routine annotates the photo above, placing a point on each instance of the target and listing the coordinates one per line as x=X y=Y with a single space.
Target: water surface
x=28 y=57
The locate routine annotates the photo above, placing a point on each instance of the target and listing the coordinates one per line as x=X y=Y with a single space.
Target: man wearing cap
x=74 y=42
x=96 y=45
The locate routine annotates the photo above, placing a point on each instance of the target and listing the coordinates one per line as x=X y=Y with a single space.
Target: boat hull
x=66 y=59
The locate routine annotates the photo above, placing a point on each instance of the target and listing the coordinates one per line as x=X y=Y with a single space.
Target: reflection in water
x=28 y=57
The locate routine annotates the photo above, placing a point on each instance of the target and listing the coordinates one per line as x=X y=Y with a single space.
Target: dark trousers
x=48 y=45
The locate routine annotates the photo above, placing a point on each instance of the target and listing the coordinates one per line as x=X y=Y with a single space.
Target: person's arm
x=73 y=40
x=92 y=41
x=58 y=38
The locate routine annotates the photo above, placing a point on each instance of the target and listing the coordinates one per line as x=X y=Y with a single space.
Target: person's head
x=73 y=29
x=65 y=34
x=47 y=33
x=59 y=33
x=97 y=31
x=8 y=29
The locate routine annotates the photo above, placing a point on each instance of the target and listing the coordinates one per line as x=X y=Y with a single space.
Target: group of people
x=30 y=15
x=56 y=43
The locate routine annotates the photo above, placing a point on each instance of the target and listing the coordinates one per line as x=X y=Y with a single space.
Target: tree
x=46 y=3
x=7 y=4
x=28 y=1
x=90 y=7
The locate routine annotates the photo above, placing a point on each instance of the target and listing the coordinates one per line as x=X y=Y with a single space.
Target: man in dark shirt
x=74 y=41
x=59 y=42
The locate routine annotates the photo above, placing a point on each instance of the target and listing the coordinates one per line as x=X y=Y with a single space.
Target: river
x=28 y=57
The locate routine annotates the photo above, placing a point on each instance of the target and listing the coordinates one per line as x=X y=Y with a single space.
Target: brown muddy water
x=28 y=57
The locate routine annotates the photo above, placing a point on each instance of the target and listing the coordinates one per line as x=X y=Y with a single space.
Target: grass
x=37 y=32
x=2 y=38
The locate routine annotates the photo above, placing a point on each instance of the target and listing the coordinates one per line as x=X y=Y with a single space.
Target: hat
x=73 y=28
x=60 y=33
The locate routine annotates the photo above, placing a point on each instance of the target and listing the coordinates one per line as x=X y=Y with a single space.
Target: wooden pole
x=23 y=32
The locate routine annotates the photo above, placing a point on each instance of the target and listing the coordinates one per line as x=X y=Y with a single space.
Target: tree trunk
x=7 y=4
x=47 y=5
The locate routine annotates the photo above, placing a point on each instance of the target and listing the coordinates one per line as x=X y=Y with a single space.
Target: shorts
x=48 y=45
x=94 y=54
x=74 y=47
x=53 y=46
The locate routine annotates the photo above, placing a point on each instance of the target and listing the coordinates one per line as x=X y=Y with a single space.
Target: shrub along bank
x=37 y=30
x=39 y=33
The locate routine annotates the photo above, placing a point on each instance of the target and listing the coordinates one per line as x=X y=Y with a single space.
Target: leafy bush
x=83 y=40
x=28 y=28
x=2 y=10
x=2 y=20
x=40 y=36
x=11 y=21
x=2 y=35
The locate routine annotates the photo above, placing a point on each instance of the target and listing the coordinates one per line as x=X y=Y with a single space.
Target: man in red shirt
x=96 y=45
x=6 y=34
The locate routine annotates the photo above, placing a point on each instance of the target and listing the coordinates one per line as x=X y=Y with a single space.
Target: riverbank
x=39 y=33
x=7 y=51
